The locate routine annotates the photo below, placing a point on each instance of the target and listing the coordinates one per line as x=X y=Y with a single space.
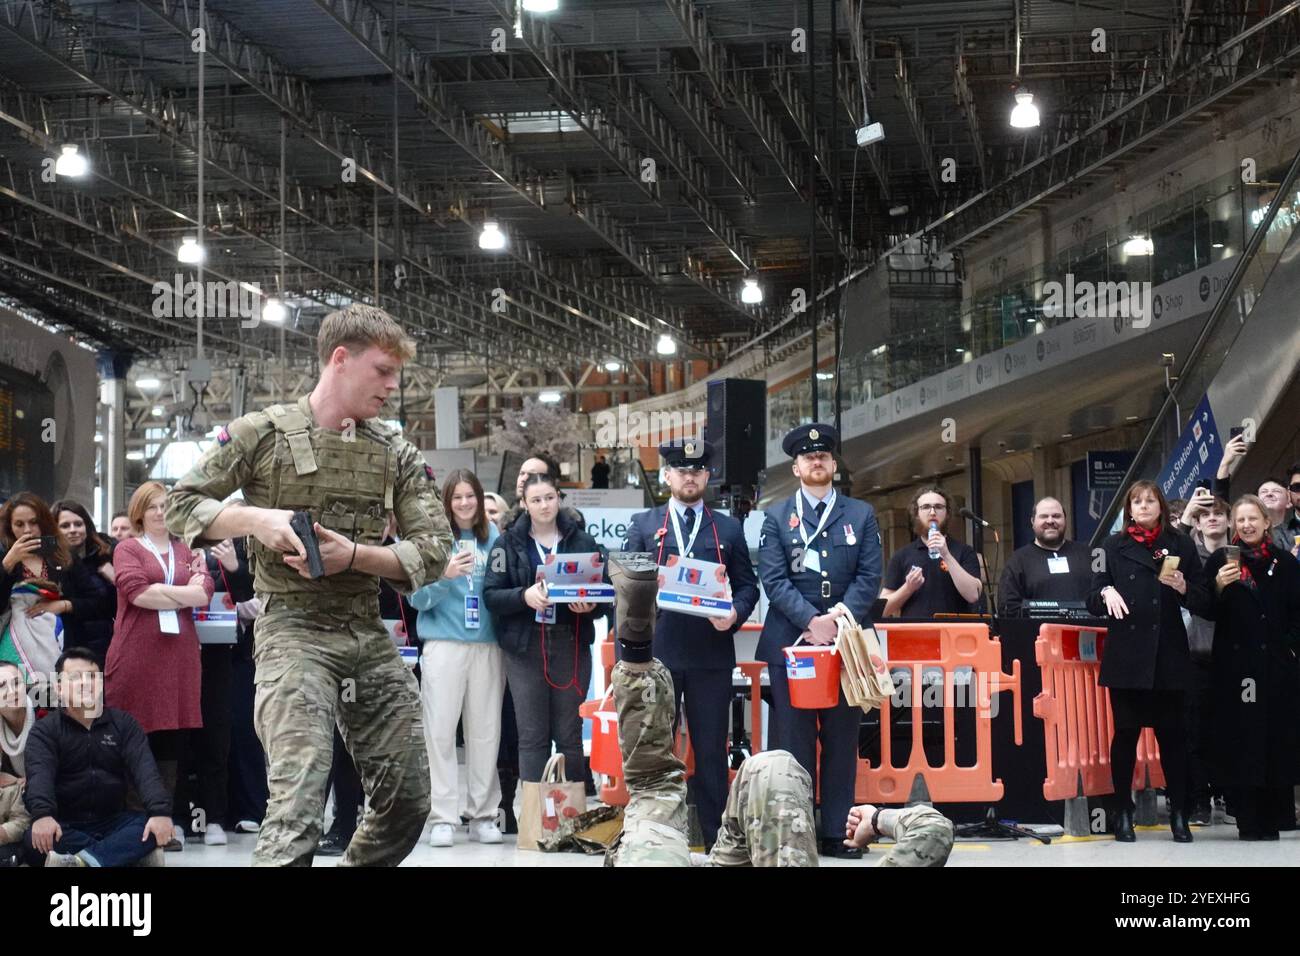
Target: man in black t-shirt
x=1050 y=569
x=917 y=585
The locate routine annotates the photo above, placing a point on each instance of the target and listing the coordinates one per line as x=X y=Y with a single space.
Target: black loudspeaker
x=737 y=426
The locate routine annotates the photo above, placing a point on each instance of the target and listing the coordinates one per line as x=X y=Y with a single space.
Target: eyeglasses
x=1295 y=487
x=690 y=469
x=934 y=508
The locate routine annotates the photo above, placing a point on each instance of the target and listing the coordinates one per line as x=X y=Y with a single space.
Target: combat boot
x=635 y=577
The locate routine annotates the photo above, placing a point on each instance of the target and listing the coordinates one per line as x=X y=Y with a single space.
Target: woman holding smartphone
x=547 y=646
x=1255 y=694
x=462 y=675
x=35 y=561
x=1148 y=574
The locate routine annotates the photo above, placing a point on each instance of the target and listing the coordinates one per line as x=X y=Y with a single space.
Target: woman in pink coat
x=153 y=669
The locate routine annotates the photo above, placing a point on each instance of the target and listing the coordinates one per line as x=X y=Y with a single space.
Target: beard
x=923 y=527
x=689 y=497
x=1050 y=536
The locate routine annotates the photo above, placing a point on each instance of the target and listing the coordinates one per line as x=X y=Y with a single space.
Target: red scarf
x=1261 y=555
x=1144 y=536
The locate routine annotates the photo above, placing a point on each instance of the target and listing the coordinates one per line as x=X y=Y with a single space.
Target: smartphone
x=465 y=544
x=1234 y=431
x=1170 y=563
x=49 y=545
x=1233 y=553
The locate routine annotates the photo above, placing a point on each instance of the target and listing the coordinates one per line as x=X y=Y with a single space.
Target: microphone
x=967 y=513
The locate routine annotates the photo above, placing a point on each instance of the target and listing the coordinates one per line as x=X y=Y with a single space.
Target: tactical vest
x=347 y=486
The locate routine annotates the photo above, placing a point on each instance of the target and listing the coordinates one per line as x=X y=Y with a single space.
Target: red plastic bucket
x=606 y=758
x=813 y=676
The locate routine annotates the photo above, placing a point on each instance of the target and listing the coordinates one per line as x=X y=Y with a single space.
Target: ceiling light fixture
x=190 y=251
x=71 y=163
x=1138 y=245
x=491 y=238
x=1024 y=115
x=274 y=311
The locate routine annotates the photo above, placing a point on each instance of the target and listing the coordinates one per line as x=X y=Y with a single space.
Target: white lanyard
x=826 y=514
x=685 y=549
x=169 y=569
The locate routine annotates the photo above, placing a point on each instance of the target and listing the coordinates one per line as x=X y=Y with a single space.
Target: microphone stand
x=991 y=827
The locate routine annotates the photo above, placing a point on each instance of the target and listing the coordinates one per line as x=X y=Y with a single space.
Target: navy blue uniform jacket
x=683 y=641
x=795 y=597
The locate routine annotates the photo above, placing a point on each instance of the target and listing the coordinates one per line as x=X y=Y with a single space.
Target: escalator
x=1241 y=369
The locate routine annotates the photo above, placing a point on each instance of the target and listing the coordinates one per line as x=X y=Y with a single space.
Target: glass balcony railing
x=1202 y=225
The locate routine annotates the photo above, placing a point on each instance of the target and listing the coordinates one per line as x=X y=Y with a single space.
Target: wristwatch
x=875 y=821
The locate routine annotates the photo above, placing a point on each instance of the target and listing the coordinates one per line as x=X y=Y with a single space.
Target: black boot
x=1178 y=825
x=333 y=843
x=1124 y=827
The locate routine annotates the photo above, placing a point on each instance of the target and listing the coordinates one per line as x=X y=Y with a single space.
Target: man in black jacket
x=80 y=761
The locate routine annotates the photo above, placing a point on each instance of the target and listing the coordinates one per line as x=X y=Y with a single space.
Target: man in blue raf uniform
x=818 y=549
x=700 y=652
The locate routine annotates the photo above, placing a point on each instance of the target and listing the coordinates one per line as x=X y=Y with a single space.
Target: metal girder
x=292 y=95
x=736 y=85
x=695 y=178
x=1254 y=52
x=561 y=65
x=1273 y=40
x=619 y=237
x=852 y=97
x=966 y=102
x=371 y=29
x=141 y=186
x=912 y=107
x=686 y=93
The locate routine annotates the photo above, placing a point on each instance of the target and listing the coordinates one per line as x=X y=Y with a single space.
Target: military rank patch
x=223 y=437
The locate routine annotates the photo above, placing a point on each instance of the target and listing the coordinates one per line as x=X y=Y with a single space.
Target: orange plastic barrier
x=1077 y=718
x=948 y=647
x=607 y=758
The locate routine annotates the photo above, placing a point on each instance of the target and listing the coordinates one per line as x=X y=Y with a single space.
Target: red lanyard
x=663 y=534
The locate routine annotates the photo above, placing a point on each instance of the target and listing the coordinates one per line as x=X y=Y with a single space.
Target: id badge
x=1058 y=565
x=169 y=622
x=812 y=559
x=547 y=616
x=471 y=612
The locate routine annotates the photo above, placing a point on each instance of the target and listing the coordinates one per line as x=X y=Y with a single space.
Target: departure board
x=26 y=462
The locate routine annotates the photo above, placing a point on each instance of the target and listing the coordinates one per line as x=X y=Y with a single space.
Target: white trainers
x=247 y=826
x=484 y=831
x=214 y=835
x=443 y=834
x=53 y=859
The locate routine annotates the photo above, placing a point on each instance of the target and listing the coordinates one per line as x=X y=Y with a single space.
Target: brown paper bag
x=864 y=675
x=546 y=802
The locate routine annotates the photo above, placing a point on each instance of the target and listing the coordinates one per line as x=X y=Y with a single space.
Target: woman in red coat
x=153 y=670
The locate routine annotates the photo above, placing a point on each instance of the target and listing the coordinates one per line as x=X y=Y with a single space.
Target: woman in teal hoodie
x=462 y=671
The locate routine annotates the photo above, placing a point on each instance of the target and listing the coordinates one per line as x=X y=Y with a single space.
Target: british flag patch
x=428 y=472
x=223 y=437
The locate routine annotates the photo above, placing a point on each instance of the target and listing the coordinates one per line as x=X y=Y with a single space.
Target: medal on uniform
x=849 y=537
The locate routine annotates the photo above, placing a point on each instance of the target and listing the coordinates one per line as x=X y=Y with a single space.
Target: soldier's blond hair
x=357 y=327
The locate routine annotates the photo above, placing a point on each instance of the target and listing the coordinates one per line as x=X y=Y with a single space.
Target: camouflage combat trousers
x=769 y=816
x=318 y=663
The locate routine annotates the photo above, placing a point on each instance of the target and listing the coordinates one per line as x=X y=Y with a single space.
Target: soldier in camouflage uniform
x=922 y=835
x=321 y=651
x=768 y=820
